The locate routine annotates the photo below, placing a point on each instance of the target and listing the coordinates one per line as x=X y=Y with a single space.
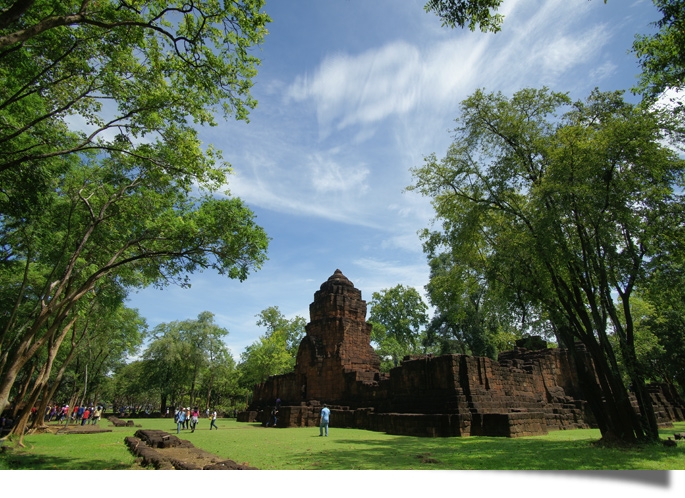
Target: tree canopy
x=274 y=353
x=398 y=315
x=662 y=55
x=103 y=179
x=480 y=14
x=563 y=204
x=183 y=355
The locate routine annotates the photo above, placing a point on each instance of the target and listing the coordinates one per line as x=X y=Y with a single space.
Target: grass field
x=348 y=449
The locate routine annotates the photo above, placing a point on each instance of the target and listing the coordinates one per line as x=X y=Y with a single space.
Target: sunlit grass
x=302 y=448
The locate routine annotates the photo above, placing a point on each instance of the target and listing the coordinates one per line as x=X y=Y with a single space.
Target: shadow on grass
x=18 y=460
x=493 y=454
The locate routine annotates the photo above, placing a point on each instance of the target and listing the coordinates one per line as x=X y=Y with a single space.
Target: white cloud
x=542 y=41
x=329 y=176
x=322 y=186
x=603 y=72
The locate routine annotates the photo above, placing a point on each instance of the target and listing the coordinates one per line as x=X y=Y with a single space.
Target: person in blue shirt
x=180 y=421
x=325 y=416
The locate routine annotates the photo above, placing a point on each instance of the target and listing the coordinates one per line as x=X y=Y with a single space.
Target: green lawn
x=350 y=449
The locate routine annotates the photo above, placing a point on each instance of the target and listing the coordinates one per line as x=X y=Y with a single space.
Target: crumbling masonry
x=528 y=391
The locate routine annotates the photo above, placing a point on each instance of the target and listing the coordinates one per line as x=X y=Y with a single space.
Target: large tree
x=470 y=317
x=565 y=202
x=102 y=173
x=275 y=352
x=114 y=219
x=182 y=355
x=402 y=314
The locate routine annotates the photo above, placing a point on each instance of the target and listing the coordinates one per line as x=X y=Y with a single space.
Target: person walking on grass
x=325 y=416
x=195 y=417
x=97 y=414
x=180 y=420
x=213 y=424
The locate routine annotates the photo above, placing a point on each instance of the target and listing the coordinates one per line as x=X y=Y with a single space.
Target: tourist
x=187 y=418
x=213 y=424
x=63 y=414
x=97 y=414
x=181 y=420
x=85 y=415
x=323 y=425
x=195 y=416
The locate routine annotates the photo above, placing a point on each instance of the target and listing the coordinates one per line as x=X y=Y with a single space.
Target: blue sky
x=354 y=93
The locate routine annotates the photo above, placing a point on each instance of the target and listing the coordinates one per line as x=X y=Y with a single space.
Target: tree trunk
x=21 y=395
x=49 y=392
x=163 y=403
x=28 y=349
x=41 y=383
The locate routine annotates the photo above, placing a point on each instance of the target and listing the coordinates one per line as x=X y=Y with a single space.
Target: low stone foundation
x=165 y=451
x=117 y=422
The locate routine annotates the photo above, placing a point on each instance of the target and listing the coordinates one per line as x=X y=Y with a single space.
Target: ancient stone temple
x=528 y=391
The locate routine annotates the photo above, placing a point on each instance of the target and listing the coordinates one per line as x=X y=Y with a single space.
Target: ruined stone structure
x=527 y=392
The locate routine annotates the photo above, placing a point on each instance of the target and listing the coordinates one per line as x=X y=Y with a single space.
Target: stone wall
x=528 y=391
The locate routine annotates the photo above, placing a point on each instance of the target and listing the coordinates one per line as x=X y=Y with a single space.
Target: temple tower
x=336 y=350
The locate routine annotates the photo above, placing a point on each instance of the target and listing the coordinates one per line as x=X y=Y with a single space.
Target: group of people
x=80 y=414
x=186 y=418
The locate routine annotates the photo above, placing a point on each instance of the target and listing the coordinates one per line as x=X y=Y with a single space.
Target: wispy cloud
x=321 y=185
x=399 y=77
x=327 y=176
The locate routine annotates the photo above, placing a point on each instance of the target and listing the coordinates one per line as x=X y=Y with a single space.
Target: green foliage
x=662 y=55
x=103 y=175
x=471 y=317
x=560 y=212
x=273 y=353
x=401 y=310
x=113 y=220
x=471 y=13
x=128 y=73
x=276 y=323
x=398 y=316
x=185 y=358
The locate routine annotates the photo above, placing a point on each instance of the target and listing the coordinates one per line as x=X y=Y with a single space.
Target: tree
x=401 y=313
x=471 y=317
x=182 y=354
x=221 y=382
x=119 y=221
x=104 y=333
x=662 y=55
x=116 y=196
x=565 y=210
x=471 y=13
x=129 y=386
x=275 y=352
x=276 y=323
x=129 y=71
